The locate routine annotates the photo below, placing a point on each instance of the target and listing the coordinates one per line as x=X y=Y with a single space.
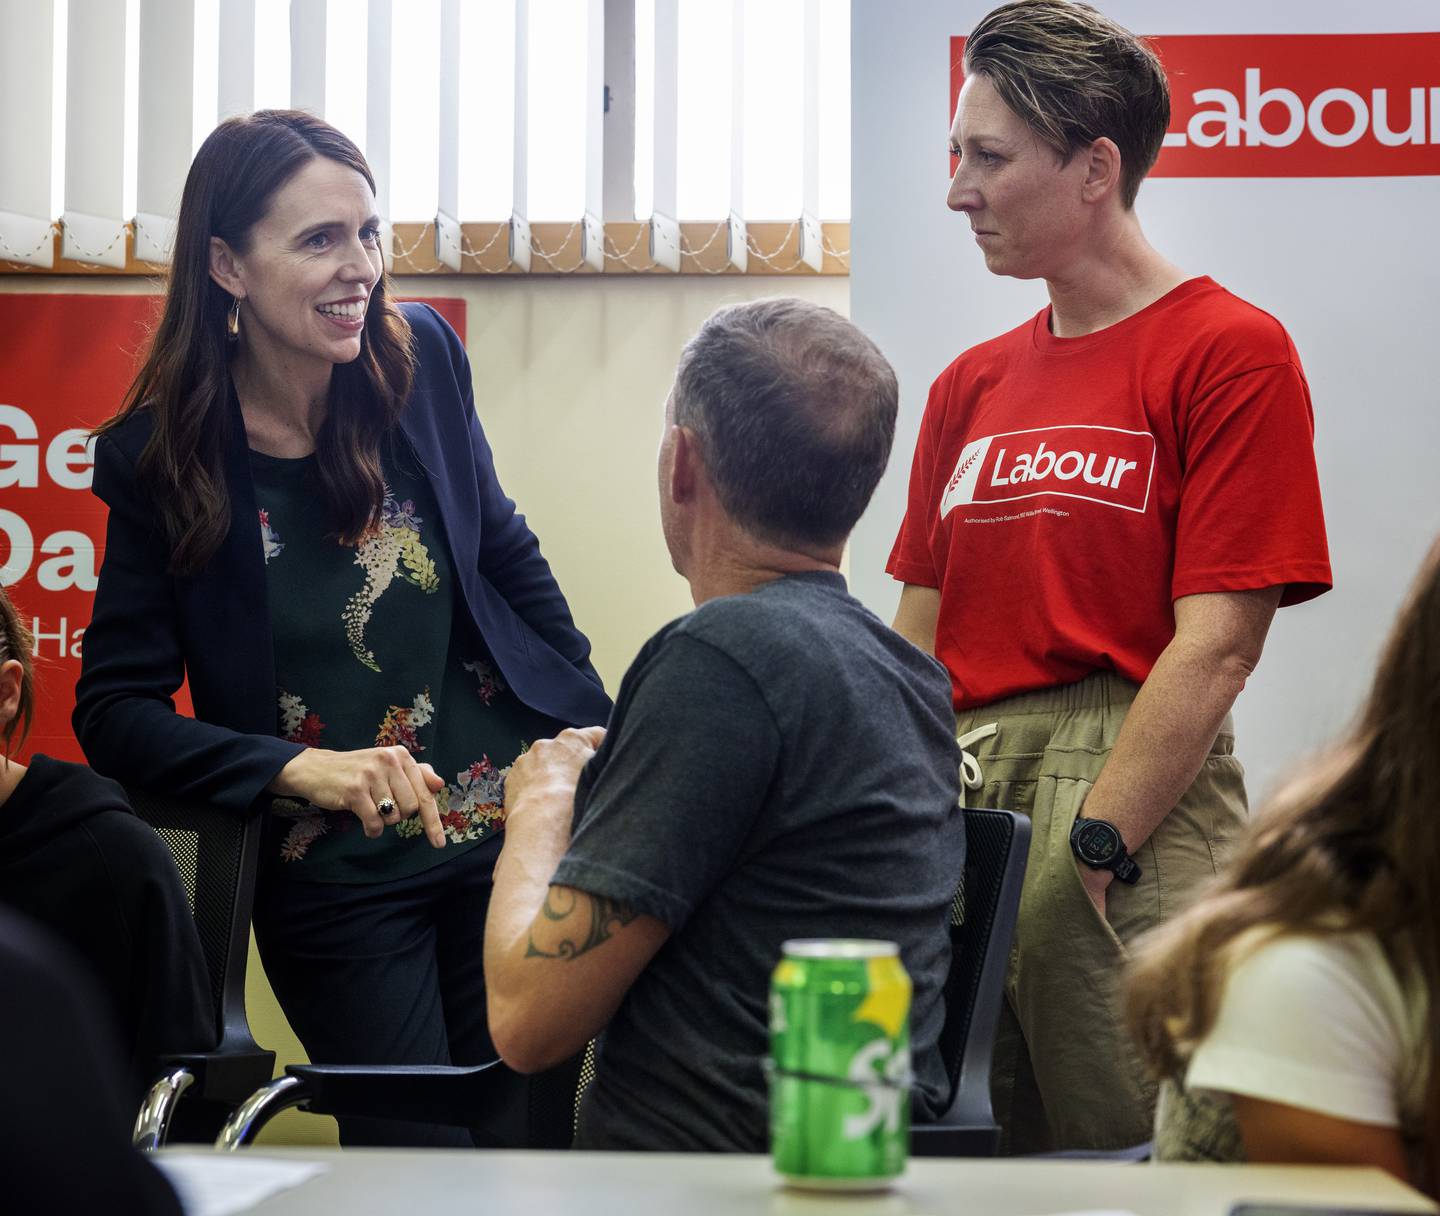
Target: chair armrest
x=453 y=1096
x=500 y=1107
x=224 y=1076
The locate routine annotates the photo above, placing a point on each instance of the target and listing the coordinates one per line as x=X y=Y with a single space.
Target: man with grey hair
x=779 y=765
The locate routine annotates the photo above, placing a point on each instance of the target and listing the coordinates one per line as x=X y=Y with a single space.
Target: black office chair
x=217 y=853
x=508 y=1110
x=229 y=1092
x=982 y=926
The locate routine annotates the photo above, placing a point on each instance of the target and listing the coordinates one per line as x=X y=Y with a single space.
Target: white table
x=418 y=1183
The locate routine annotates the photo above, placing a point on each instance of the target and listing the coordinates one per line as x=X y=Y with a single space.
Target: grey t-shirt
x=779 y=765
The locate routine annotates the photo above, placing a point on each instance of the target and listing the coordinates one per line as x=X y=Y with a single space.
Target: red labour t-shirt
x=1066 y=491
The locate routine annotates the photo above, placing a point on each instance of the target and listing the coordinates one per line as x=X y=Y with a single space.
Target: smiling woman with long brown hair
x=306 y=524
x=1293 y=1010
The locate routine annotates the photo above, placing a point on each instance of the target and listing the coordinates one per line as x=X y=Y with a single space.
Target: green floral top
x=370 y=651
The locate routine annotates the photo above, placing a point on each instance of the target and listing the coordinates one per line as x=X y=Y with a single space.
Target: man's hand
x=540 y=801
x=558 y=960
x=1096 y=883
x=551 y=767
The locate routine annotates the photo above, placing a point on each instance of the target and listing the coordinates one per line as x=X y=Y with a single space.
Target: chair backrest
x=217 y=853
x=982 y=927
x=582 y=1083
x=554 y=1100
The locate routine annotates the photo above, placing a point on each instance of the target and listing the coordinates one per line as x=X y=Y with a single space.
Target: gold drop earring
x=232 y=321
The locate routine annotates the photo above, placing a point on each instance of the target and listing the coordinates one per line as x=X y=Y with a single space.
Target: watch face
x=1097 y=842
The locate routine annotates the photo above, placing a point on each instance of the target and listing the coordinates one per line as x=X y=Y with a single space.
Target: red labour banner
x=65 y=364
x=1294 y=105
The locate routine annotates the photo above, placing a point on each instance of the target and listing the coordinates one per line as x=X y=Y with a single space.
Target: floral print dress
x=373 y=650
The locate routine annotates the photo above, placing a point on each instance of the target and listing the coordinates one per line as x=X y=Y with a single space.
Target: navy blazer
x=150 y=629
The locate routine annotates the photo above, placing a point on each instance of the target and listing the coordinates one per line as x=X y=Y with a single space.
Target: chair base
x=152 y=1124
x=257 y=1110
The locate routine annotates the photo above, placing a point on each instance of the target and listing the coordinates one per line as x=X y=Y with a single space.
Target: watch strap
x=1126 y=870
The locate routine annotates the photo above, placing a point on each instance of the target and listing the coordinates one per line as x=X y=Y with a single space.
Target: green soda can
x=840 y=1064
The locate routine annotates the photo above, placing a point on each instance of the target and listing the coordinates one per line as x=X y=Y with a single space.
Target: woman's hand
x=358 y=781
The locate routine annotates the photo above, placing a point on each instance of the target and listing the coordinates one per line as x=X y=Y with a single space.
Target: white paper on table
x=1095 y=1212
x=1092 y=1212
x=219 y=1184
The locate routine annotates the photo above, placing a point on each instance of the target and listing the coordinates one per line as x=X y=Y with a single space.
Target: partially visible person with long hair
x=305 y=522
x=1294 y=1012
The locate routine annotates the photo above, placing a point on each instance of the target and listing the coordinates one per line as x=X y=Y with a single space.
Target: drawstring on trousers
x=971 y=778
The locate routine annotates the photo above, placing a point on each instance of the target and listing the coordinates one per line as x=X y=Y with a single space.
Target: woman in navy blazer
x=257 y=463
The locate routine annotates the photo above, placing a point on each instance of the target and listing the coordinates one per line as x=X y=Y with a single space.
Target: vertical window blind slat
x=272 y=54
x=236 y=87
x=447 y=214
x=812 y=252
x=346 y=50
x=738 y=237
x=774 y=111
x=167 y=102
x=519 y=207
x=487 y=117
x=205 y=97
x=95 y=133
x=834 y=109
x=704 y=90
x=555 y=119
x=415 y=113
x=664 y=222
x=26 y=127
x=593 y=229
x=307 y=55
x=377 y=117
x=619 y=119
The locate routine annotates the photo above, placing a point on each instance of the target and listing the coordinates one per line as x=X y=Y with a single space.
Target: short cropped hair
x=793 y=412
x=1074 y=75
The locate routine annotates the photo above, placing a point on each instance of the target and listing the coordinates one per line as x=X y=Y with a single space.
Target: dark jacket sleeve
x=133 y=662
x=169 y=1008
x=64 y=1128
x=510 y=557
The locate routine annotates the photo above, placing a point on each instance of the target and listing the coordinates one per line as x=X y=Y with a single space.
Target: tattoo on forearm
x=580 y=921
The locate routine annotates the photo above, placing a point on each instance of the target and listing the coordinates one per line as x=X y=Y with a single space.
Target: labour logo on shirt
x=1101 y=464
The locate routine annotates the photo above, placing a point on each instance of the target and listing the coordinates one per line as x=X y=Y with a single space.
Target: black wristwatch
x=1098 y=844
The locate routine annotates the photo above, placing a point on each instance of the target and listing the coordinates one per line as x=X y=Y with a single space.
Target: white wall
x=1351 y=266
x=570 y=383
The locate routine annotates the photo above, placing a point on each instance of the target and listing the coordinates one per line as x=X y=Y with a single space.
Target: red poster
x=65 y=364
x=1294 y=105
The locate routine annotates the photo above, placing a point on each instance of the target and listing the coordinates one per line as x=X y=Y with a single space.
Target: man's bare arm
x=573 y=922
x=558 y=961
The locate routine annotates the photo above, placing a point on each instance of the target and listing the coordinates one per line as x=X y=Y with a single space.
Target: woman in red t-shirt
x=1106 y=507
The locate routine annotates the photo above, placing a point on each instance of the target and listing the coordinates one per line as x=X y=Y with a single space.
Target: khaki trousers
x=1066 y=1075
